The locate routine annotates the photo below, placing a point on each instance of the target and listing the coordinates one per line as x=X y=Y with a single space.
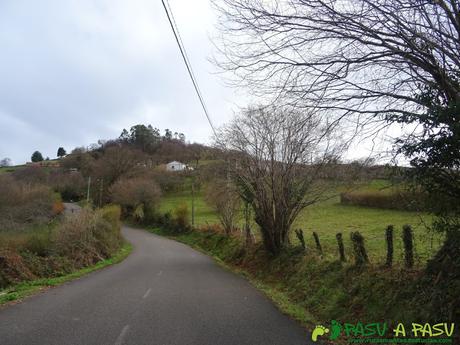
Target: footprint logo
x=318 y=331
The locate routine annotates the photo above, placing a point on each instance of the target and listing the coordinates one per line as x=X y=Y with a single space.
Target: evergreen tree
x=61 y=152
x=36 y=157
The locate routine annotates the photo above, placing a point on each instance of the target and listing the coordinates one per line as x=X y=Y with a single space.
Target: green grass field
x=329 y=217
x=7 y=169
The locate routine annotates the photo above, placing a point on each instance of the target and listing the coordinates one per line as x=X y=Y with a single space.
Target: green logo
x=336 y=329
x=378 y=332
x=318 y=331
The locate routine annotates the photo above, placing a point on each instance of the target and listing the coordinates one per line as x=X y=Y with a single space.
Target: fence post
x=408 y=246
x=341 y=247
x=361 y=257
x=389 y=240
x=318 y=245
x=299 y=234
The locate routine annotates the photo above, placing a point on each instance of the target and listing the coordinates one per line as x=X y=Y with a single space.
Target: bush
x=224 y=199
x=178 y=222
x=71 y=185
x=166 y=220
x=130 y=193
x=31 y=175
x=23 y=204
x=396 y=199
x=181 y=216
x=112 y=214
x=12 y=268
x=89 y=236
x=79 y=240
x=169 y=181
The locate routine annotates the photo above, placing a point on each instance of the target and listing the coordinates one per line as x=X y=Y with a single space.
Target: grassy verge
x=24 y=289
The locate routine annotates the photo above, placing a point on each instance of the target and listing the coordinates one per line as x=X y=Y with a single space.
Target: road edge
x=278 y=298
x=16 y=293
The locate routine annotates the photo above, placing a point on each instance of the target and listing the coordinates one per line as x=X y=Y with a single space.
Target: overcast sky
x=75 y=71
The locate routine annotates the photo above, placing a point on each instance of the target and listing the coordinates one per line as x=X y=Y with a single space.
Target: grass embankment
x=314 y=290
x=24 y=289
x=63 y=250
x=329 y=217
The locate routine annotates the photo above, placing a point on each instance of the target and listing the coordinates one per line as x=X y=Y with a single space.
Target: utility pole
x=87 y=192
x=101 y=188
x=193 y=201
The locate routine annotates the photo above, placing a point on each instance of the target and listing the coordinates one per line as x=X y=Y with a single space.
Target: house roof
x=175 y=162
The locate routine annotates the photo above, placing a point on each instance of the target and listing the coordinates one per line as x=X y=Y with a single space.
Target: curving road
x=164 y=293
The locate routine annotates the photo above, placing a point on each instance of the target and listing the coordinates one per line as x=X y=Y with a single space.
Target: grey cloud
x=76 y=71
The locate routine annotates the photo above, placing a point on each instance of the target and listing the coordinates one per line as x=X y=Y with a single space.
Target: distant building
x=176 y=166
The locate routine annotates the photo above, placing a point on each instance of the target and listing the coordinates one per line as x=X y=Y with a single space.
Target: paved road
x=164 y=293
x=70 y=208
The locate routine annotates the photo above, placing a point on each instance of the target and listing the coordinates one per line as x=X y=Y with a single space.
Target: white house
x=176 y=166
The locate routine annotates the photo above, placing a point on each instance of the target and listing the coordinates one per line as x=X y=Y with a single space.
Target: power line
x=183 y=52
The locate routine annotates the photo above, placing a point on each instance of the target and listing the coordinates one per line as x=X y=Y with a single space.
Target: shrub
x=78 y=241
x=211 y=228
x=12 y=268
x=112 y=214
x=181 y=217
x=395 y=199
x=89 y=236
x=31 y=175
x=58 y=207
x=223 y=197
x=139 y=213
x=169 y=181
x=24 y=204
x=71 y=185
x=166 y=220
x=130 y=193
x=177 y=222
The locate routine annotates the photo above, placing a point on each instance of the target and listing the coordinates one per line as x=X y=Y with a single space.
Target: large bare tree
x=366 y=61
x=275 y=157
x=366 y=58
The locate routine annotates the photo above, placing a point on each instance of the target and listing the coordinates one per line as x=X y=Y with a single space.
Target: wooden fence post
x=389 y=240
x=318 y=245
x=341 y=247
x=408 y=246
x=359 y=249
x=299 y=234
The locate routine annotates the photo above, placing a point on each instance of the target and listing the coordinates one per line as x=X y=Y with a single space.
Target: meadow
x=329 y=217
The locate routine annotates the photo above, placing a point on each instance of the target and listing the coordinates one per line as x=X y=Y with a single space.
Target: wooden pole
x=87 y=192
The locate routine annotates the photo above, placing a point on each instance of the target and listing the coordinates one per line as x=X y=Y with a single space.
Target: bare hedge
x=396 y=200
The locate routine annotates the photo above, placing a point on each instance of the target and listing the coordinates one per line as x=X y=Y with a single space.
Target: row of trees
x=38 y=157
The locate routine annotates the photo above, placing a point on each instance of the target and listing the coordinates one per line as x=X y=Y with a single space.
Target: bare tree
x=373 y=62
x=275 y=159
x=366 y=58
x=222 y=196
x=118 y=161
x=136 y=194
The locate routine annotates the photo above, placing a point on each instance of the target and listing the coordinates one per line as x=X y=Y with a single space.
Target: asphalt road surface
x=164 y=293
x=70 y=208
